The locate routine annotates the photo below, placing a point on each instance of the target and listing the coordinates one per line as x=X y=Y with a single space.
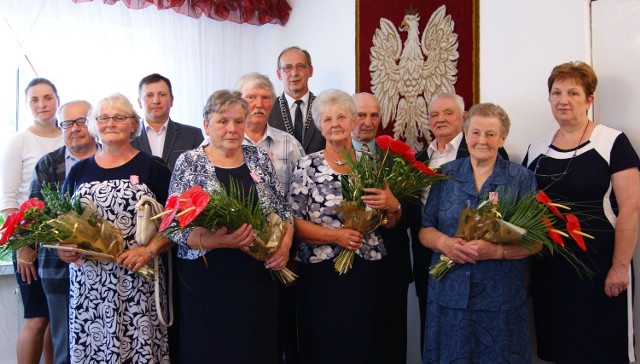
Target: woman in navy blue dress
x=595 y=168
x=477 y=312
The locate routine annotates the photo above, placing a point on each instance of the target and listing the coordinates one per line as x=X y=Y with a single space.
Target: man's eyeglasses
x=69 y=123
x=299 y=67
x=117 y=118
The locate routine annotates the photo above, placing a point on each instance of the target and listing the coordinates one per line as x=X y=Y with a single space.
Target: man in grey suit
x=292 y=109
x=162 y=136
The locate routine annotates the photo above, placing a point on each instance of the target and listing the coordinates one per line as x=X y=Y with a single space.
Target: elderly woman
x=476 y=312
x=340 y=316
x=596 y=169
x=228 y=299
x=112 y=310
x=19 y=159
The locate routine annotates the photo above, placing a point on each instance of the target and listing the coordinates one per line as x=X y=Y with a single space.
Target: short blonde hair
x=119 y=102
x=489 y=110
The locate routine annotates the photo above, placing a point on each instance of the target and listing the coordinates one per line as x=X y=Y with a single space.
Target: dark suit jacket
x=179 y=139
x=313 y=139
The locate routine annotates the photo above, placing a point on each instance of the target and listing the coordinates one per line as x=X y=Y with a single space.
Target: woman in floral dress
x=112 y=310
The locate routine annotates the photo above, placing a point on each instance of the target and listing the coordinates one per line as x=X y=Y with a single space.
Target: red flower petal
x=554 y=235
x=32 y=203
x=573 y=225
x=544 y=199
x=409 y=155
x=399 y=147
x=9 y=226
x=423 y=168
x=384 y=142
x=195 y=203
x=171 y=205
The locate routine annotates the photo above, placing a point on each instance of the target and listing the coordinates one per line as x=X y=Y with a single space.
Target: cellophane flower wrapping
x=62 y=219
x=397 y=167
x=528 y=221
x=231 y=209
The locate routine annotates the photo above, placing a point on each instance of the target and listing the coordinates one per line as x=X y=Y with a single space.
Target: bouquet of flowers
x=531 y=220
x=396 y=167
x=231 y=209
x=61 y=219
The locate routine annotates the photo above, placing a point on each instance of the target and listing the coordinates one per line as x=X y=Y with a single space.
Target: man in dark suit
x=166 y=139
x=396 y=240
x=292 y=109
x=160 y=135
x=446 y=119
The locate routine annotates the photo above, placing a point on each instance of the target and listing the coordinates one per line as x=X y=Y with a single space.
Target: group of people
x=288 y=151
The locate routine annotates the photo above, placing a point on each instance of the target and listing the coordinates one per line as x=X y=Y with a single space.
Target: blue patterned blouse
x=315 y=192
x=194 y=168
x=488 y=284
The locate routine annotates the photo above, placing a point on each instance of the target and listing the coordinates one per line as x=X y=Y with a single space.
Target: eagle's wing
x=385 y=73
x=440 y=46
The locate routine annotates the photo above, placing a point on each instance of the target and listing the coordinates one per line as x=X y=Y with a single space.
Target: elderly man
x=396 y=240
x=284 y=151
x=161 y=136
x=52 y=168
x=293 y=108
x=446 y=119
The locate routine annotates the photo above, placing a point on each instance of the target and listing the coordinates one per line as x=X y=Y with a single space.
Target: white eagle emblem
x=403 y=80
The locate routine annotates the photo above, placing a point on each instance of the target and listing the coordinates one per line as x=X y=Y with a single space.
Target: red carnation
x=384 y=142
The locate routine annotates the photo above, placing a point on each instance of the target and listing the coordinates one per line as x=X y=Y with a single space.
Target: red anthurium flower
x=9 y=226
x=170 y=209
x=544 y=199
x=185 y=197
x=550 y=230
x=191 y=206
x=573 y=228
x=423 y=168
x=384 y=142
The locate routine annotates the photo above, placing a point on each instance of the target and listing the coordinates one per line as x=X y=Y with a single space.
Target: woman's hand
x=458 y=250
x=617 y=281
x=381 y=199
x=240 y=238
x=486 y=250
x=134 y=259
x=69 y=256
x=280 y=258
x=348 y=239
x=26 y=257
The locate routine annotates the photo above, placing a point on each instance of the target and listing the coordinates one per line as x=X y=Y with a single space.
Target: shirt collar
x=148 y=127
x=358 y=146
x=454 y=144
x=291 y=101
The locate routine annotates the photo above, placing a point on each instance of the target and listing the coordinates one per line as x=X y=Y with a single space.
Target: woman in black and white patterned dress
x=112 y=310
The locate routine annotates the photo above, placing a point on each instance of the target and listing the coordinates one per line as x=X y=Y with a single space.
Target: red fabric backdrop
x=465 y=17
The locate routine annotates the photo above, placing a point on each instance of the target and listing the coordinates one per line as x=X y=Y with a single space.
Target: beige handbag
x=146 y=229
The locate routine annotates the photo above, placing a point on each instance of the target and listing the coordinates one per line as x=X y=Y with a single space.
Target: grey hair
x=119 y=102
x=458 y=99
x=332 y=97
x=222 y=100
x=489 y=110
x=71 y=103
x=255 y=80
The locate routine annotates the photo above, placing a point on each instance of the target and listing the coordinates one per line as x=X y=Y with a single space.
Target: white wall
x=520 y=41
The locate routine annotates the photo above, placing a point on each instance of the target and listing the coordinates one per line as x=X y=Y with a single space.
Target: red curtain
x=256 y=12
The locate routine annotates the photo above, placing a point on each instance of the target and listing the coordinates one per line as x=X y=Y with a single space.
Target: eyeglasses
x=102 y=119
x=69 y=123
x=299 y=67
x=555 y=177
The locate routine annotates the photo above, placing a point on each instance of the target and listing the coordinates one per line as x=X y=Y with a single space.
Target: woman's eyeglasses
x=69 y=123
x=554 y=176
x=117 y=118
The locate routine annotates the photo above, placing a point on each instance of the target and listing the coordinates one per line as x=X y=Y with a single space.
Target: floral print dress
x=112 y=311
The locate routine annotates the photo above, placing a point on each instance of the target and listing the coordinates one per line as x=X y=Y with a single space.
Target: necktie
x=298 y=122
x=365 y=148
